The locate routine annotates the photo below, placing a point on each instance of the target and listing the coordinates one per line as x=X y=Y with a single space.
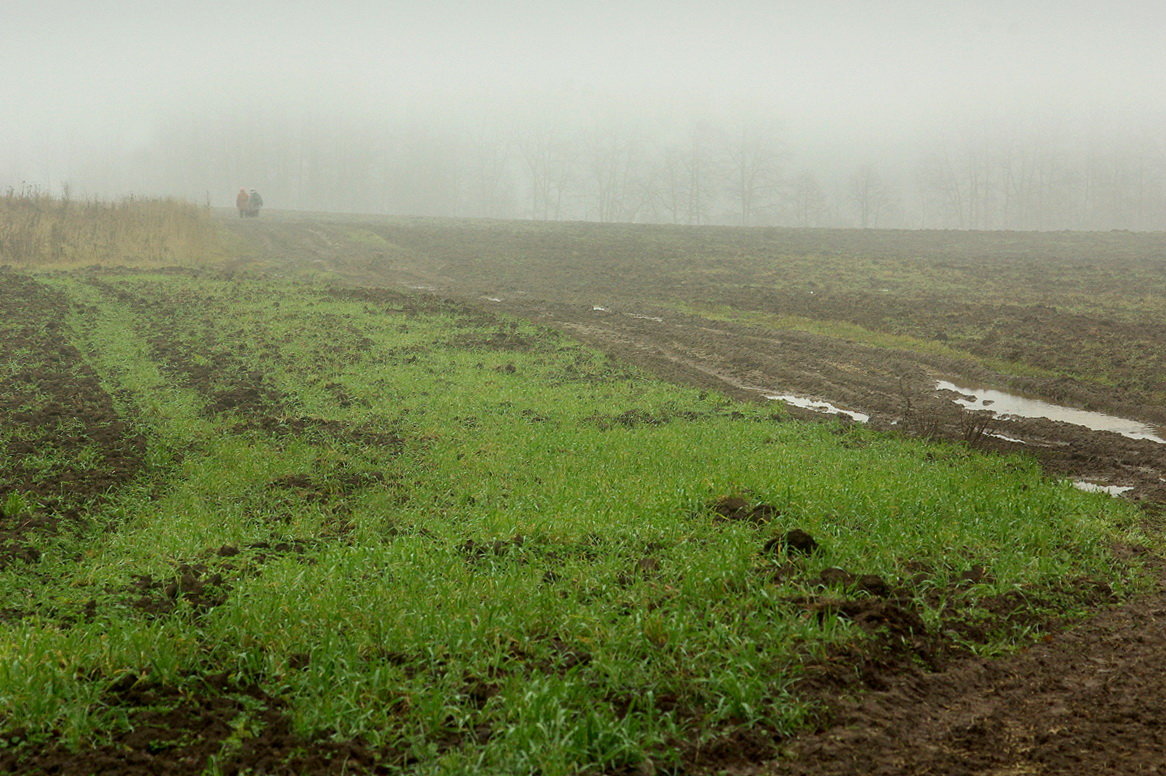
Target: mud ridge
x=66 y=444
x=1085 y=700
x=176 y=730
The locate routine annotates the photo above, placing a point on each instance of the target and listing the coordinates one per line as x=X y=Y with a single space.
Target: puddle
x=647 y=317
x=491 y=299
x=1000 y=403
x=419 y=288
x=818 y=406
x=1093 y=487
x=597 y=308
x=1014 y=440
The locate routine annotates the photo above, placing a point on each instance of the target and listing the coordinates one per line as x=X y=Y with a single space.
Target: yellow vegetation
x=39 y=230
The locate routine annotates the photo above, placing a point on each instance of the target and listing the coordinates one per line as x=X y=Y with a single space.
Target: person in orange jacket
x=243 y=202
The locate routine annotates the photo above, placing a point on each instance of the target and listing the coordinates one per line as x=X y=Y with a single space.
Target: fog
x=985 y=115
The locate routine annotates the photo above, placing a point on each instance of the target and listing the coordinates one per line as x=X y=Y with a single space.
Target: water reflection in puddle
x=1001 y=403
x=597 y=308
x=1093 y=487
x=818 y=406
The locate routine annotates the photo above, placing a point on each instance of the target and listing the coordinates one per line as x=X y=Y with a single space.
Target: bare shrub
x=975 y=426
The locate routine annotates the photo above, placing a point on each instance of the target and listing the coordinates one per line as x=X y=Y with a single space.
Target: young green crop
x=477 y=546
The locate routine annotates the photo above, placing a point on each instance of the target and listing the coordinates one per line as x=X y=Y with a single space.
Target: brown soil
x=175 y=731
x=185 y=338
x=64 y=442
x=1089 y=699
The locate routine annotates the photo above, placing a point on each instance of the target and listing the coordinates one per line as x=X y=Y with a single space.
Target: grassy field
x=1072 y=306
x=251 y=523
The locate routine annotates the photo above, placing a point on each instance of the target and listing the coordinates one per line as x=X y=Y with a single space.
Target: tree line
x=566 y=162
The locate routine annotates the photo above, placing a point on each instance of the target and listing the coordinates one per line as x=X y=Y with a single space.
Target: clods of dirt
x=502 y=338
x=177 y=730
x=13 y=553
x=647 y=567
x=976 y=575
x=792 y=542
x=194 y=584
x=550 y=654
x=478 y=551
x=629 y=419
x=54 y=408
x=898 y=618
x=1086 y=700
x=739 y=508
x=870 y=584
x=318 y=489
x=283 y=425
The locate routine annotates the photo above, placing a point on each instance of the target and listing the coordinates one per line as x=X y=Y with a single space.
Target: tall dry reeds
x=38 y=229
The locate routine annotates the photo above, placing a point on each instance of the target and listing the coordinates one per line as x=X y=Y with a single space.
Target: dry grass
x=40 y=230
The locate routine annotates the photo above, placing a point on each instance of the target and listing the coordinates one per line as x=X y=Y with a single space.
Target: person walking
x=243 y=202
x=254 y=202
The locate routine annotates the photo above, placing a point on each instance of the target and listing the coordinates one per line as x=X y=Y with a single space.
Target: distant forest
x=570 y=159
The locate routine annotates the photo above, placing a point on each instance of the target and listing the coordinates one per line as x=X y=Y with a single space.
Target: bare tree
x=549 y=161
x=667 y=185
x=807 y=202
x=616 y=173
x=872 y=198
x=682 y=185
x=488 y=179
x=753 y=172
x=1124 y=182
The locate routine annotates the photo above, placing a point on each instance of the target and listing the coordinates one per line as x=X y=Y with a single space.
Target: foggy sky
x=840 y=78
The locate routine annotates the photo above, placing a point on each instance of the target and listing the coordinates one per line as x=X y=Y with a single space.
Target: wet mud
x=1086 y=700
x=186 y=338
x=178 y=730
x=62 y=440
x=896 y=391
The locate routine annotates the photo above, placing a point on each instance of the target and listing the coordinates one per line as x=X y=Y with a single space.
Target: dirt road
x=1091 y=699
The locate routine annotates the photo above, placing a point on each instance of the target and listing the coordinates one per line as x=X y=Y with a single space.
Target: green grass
x=1038 y=308
x=849 y=332
x=498 y=548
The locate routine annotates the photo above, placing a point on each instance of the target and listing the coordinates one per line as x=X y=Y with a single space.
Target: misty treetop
x=572 y=159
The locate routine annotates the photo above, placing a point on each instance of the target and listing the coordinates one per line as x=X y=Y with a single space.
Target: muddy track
x=895 y=387
x=1089 y=700
x=185 y=340
x=64 y=444
x=1085 y=700
x=895 y=390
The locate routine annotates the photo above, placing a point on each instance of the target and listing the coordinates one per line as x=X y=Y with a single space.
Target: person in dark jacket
x=254 y=202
